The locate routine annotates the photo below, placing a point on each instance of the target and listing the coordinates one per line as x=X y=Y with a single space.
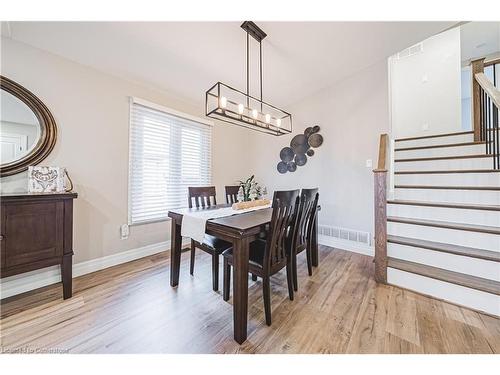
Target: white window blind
x=168 y=152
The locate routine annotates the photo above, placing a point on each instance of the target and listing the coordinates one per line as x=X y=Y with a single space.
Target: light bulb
x=241 y=108
x=255 y=114
x=278 y=122
x=268 y=118
x=223 y=102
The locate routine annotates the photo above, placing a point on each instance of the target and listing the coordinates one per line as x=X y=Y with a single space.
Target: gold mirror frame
x=48 y=129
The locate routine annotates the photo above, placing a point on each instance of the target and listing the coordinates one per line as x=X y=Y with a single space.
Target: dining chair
x=205 y=197
x=232 y=194
x=267 y=257
x=304 y=225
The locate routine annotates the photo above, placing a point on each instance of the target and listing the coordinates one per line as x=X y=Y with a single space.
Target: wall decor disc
x=286 y=154
x=316 y=140
x=292 y=167
x=282 y=167
x=310 y=152
x=299 y=144
x=308 y=131
x=300 y=159
x=315 y=129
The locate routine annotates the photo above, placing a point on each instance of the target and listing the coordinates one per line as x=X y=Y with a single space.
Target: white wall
x=466 y=98
x=91 y=110
x=352 y=114
x=425 y=88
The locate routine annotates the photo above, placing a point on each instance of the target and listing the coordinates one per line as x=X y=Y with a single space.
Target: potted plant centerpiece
x=251 y=194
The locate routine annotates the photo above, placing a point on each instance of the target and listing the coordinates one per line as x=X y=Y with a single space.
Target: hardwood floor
x=131 y=308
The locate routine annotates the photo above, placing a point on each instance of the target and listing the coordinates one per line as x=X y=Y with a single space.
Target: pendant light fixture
x=228 y=104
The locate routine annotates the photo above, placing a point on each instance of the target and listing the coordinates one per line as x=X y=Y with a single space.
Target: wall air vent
x=410 y=51
x=345 y=234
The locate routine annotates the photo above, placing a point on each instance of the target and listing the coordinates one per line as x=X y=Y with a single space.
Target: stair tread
x=434 y=158
x=450 y=171
x=474 y=282
x=446 y=248
x=446 y=224
x=467 y=206
x=433 y=136
x=447 y=187
x=440 y=146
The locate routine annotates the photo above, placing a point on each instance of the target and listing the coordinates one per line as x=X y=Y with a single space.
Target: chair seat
x=256 y=254
x=216 y=243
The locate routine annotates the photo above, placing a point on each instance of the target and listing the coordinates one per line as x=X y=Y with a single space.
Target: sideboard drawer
x=32 y=232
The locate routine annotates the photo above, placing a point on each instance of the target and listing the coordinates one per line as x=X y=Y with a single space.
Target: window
x=169 y=151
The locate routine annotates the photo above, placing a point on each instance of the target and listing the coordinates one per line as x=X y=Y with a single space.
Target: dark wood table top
x=244 y=223
x=241 y=223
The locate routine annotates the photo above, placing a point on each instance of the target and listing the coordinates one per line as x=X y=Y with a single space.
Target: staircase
x=443 y=220
x=437 y=232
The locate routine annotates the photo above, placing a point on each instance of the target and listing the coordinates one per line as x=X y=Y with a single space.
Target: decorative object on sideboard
x=300 y=148
x=44 y=179
x=28 y=131
x=225 y=103
x=250 y=190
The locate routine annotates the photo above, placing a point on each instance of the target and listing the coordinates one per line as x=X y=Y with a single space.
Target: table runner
x=194 y=223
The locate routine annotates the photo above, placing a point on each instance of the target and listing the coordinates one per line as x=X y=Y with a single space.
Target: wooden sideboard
x=37 y=232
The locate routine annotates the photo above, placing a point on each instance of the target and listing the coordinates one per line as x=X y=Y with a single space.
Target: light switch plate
x=425 y=126
x=124 y=231
x=369 y=163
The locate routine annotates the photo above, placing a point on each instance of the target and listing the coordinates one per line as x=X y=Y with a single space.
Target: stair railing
x=380 y=211
x=489 y=104
x=486 y=104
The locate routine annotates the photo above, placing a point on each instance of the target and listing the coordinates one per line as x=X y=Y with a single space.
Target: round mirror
x=27 y=129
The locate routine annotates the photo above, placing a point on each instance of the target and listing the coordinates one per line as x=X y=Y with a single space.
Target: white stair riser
x=449 y=179
x=447 y=164
x=478 y=217
x=449 y=195
x=472 y=298
x=462 y=138
x=470 y=266
x=486 y=241
x=442 y=151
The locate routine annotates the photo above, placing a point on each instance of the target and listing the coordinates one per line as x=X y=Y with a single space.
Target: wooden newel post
x=476 y=66
x=380 y=211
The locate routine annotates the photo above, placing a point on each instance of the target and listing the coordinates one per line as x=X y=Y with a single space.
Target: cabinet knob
x=1 y=237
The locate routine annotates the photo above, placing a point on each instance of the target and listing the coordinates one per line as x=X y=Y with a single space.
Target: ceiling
x=187 y=58
x=479 y=39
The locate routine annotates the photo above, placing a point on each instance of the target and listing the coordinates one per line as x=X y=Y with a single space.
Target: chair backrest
x=306 y=215
x=203 y=196
x=285 y=204
x=232 y=194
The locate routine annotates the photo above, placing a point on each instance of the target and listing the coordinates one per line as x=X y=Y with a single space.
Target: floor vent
x=345 y=234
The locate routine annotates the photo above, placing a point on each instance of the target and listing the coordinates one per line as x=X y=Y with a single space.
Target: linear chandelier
x=228 y=104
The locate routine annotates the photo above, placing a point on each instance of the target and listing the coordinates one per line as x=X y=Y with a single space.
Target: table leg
x=175 y=253
x=240 y=289
x=315 y=252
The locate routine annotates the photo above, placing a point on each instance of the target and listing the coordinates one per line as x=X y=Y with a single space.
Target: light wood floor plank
x=131 y=308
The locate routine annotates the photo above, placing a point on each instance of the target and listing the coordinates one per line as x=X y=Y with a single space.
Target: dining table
x=240 y=230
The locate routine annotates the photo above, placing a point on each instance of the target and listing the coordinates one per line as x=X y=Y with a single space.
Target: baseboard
x=355 y=247
x=25 y=282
